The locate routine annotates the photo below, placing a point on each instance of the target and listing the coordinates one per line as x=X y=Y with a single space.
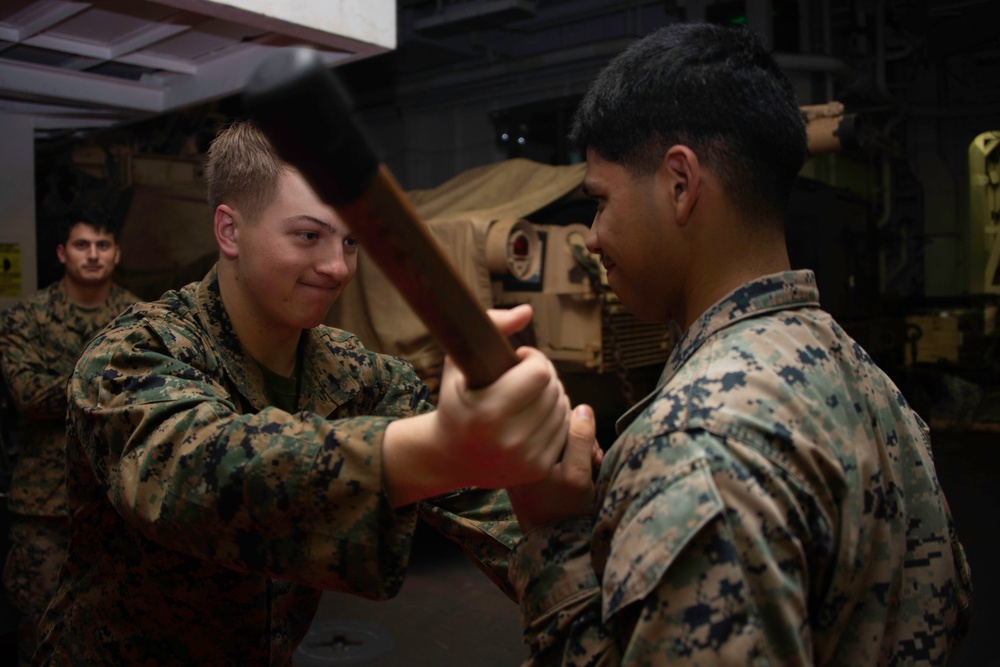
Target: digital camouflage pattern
x=773 y=502
x=204 y=523
x=40 y=340
x=31 y=573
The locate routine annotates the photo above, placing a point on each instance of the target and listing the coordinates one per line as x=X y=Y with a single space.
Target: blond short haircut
x=242 y=170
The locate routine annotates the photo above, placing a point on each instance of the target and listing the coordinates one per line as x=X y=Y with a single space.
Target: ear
x=682 y=171
x=61 y=253
x=226 y=232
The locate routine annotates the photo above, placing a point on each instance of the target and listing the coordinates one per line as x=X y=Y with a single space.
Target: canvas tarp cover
x=458 y=213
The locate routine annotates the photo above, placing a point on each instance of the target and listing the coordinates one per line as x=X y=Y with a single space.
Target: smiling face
x=89 y=255
x=292 y=262
x=631 y=232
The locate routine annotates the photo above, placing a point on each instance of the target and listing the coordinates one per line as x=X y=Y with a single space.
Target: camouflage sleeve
x=37 y=389
x=560 y=597
x=295 y=497
x=674 y=586
x=482 y=523
x=479 y=521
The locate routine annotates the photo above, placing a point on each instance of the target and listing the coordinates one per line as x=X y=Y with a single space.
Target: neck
x=86 y=296
x=746 y=258
x=272 y=346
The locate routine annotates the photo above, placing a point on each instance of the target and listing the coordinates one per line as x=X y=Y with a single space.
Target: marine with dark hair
x=229 y=456
x=41 y=339
x=774 y=500
x=729 y=103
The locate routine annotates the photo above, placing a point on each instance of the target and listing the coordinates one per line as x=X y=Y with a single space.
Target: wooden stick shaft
x=401 y=244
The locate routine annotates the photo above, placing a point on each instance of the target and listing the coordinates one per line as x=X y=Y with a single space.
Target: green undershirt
x=281 y=391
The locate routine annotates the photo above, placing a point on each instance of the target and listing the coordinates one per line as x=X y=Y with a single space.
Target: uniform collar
x=778 y=291
x=73 y=317
x=59 y=304
x=326 y=379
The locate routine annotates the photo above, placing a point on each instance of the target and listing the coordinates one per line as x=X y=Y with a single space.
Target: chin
x=314 y=318
x=311 y=321
x=92 y=281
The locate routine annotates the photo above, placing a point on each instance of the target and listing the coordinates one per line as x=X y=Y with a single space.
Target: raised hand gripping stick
x=304 y=111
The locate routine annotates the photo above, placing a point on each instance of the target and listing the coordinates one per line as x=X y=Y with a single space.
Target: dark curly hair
x=712 y=88
x=91 y=214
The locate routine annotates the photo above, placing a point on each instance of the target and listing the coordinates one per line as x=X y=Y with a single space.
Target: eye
x=308 y=236
x=350 y=242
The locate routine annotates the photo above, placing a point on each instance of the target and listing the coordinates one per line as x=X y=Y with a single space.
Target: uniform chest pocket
x=663 y=519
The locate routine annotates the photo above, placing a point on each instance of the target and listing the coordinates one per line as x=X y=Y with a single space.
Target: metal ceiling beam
x=41 y=17
x=50 y=117
x=160 y=62
x=155 y=32
x=69 y=86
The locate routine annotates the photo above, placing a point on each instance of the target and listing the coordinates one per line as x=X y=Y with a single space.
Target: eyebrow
x=308 y=218
x=588 y=189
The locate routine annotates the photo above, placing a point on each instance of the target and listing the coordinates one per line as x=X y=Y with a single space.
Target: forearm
x=37 y=389
x=306 y=490
x=413 y=467
x=41 y=397
x=37 y=392
x=507 y=434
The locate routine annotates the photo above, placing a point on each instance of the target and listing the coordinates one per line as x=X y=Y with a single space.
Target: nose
x=335 y=265
x=591 y=239
x=92 y=252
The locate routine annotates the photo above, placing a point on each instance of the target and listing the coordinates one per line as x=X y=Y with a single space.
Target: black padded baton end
x=306 y=113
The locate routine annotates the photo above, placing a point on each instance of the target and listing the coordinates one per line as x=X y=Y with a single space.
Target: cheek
x=269 y=256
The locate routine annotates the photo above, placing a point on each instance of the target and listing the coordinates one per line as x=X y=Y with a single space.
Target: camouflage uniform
x=204 y=522
x=773 y=502
x=40 y=341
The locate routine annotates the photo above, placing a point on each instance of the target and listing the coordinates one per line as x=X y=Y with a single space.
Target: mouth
x=325 y=288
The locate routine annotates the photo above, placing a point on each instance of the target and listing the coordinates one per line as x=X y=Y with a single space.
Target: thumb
x=452 y=375
x=512 y=320
x=582 y=437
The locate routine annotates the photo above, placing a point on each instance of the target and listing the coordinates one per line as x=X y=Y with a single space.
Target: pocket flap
x=662 y=520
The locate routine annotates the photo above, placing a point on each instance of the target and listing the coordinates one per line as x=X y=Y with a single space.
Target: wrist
x=411 y=463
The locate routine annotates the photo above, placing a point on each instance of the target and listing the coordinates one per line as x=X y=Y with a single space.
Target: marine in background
x=41 y=339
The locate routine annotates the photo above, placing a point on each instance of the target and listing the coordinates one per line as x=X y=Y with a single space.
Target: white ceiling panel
x=85 y=65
